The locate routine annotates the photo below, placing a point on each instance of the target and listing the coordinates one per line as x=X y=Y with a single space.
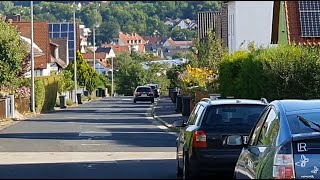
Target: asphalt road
x=110 y=138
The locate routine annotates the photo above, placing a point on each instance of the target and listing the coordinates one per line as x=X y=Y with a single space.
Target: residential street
x=109 y=138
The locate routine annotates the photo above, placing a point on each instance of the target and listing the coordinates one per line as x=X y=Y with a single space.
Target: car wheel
x=152 y=101
x=134 y=101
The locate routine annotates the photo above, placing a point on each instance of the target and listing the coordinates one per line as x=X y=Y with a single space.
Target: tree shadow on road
x=123 y=169
x=137 y=139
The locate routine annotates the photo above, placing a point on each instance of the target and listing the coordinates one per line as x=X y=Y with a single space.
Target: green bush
x=46 y=89
x=39 y=90
x=275 y=73
x=69 y=102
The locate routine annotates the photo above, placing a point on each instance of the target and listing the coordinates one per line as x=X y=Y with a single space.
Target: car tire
x=134 y=101
x=152 y=101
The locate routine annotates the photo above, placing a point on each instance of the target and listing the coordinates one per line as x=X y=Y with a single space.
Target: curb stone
x=161 y=120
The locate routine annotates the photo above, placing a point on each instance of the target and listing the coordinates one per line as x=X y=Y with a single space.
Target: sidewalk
x=164 y=111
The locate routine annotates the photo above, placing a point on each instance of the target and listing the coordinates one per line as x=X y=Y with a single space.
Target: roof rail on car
x=205 y=99
x=264 y=100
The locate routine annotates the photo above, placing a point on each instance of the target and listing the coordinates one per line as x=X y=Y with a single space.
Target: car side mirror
x=179 y=124
x=234 y=140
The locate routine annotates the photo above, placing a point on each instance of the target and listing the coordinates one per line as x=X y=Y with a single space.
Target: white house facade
x=249 y=21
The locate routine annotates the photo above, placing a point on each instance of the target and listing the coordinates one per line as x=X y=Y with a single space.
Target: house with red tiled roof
x=179 y=44
x=56 y=64
x=103 y=58
x=49 y=62
x=117 y=49
x=134 y=42
x=294 y=22
x=41 y=38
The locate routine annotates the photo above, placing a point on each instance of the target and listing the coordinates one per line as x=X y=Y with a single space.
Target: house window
x=56 y=35
x=71 y=36
x=128 y=42
x=64 y=27
x=56 y=27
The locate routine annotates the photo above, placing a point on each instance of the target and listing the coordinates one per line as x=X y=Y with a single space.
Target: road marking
x=93 y=144
x=95 y=134
x=68 y=157
x=162 y=127
x=126 y=99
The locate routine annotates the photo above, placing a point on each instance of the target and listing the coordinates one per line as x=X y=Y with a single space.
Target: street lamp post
x=75 y=49
x=112 y=77
x=32 y=63
x=94 y=48
x=95 y=25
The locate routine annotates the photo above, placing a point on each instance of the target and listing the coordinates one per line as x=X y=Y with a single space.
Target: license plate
x=144 y=95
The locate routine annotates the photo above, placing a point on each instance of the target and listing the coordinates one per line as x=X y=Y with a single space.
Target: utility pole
x=33 y=109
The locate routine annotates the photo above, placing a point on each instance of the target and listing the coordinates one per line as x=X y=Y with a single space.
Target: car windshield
x=143 y=89
x=304 y=122
x=229 y=117
x=153 y=87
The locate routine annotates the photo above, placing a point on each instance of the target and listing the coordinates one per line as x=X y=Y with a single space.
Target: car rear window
x=233 y=116
x=297 y=127
x=143 y=89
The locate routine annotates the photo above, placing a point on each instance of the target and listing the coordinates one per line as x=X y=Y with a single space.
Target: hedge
x=275 y=73
x=46 y=90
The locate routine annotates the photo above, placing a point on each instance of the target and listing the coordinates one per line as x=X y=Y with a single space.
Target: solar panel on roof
x=310 y=18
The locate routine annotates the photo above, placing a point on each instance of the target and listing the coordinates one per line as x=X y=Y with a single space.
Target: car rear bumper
x=214 y=161
x=143 y=98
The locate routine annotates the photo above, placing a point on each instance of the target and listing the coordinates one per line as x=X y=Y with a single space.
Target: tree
x=66 y=82
x=210 y=52
x=129 y=75
x=12 y=53
x=86 y=76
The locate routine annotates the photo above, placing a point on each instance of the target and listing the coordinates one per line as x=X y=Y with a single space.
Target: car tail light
x=283 y=166
x=199 y=139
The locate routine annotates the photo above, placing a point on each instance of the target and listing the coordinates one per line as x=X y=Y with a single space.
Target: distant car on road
x=207 y=143
x=155 y=88
x=284 y=144
x=143 y=93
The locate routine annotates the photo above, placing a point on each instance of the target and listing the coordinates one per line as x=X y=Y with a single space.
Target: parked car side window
x=255 y=133
x=269 y=130
x=199 y=115
x=192 y=115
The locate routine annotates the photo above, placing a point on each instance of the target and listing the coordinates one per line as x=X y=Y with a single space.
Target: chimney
x=135 y=34
x=131 y=34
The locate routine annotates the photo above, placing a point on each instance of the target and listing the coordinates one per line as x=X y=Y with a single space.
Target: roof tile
x=41 y=38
